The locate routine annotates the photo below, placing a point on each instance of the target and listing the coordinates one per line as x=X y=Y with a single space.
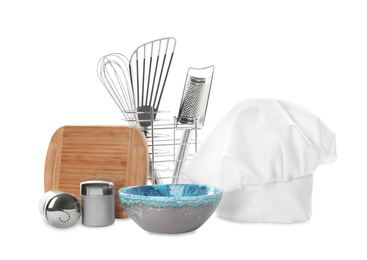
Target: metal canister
x=60 y=209
x=98 y=202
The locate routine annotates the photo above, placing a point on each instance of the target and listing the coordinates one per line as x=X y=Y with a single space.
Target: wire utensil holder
x=168 y=155
x=163 y=141
x=136 y=85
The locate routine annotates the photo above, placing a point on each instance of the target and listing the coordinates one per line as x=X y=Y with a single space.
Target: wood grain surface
x=77 y=153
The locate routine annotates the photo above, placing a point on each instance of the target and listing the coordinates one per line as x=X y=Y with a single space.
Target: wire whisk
x=113 y=72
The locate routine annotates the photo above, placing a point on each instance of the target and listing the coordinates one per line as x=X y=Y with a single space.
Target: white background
x=313 y=53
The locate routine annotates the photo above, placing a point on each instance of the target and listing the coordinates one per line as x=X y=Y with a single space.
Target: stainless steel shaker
x=60 y=209
x=98 y=202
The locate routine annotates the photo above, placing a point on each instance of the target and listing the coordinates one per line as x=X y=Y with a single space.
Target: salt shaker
x=60 y=209
x=98 y=202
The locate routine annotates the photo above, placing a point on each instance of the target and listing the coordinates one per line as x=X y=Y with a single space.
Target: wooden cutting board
x=77 y=153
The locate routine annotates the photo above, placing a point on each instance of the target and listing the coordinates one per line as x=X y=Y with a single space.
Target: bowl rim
x=217 y=193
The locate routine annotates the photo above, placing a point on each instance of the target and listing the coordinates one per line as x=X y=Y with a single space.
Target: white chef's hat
x=263 y=155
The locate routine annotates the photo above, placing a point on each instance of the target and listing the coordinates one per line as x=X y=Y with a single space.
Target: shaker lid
x=97 y=187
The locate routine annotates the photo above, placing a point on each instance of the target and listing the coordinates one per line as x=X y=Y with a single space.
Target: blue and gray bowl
x=170 y=208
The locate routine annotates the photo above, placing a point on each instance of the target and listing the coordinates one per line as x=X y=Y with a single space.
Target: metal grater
x=194 y=104
x=195 y=100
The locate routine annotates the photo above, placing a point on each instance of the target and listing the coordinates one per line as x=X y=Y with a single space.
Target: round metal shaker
x=60 y=209
x=98 y=202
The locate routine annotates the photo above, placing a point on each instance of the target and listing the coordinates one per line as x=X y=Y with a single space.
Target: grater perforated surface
x=195 y=100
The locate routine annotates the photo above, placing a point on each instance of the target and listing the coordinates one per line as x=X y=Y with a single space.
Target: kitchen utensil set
x=87 y=163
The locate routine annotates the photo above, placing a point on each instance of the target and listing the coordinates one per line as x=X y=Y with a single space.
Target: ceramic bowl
x=170 y=208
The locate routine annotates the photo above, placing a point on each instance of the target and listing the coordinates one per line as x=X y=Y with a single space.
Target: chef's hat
x=263 y=155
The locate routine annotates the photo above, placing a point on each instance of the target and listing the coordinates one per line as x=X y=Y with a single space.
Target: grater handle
x=182 y=153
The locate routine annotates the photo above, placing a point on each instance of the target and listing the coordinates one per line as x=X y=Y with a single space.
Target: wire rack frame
x=163 y=143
